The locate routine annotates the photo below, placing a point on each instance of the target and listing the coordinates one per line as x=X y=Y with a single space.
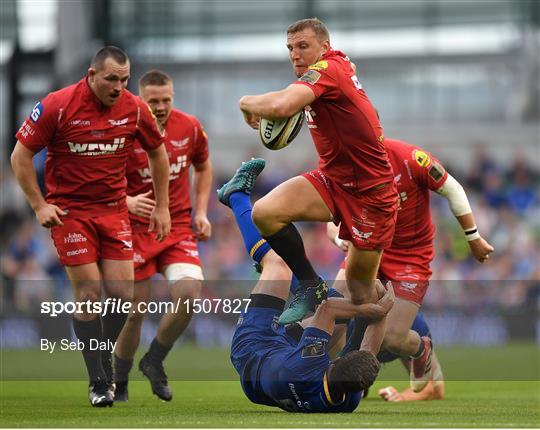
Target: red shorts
x=408 y=269
x=88 y=240
x=368 y=219
x=151 y=256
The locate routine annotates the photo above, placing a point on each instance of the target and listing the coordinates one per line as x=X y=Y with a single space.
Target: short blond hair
x=314 y=23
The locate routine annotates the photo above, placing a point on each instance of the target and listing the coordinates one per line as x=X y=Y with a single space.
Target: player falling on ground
x=354 y=182
x=235 y=194
x=88 y=129
x=407 y=262
x=289 y=367
x=176 y=257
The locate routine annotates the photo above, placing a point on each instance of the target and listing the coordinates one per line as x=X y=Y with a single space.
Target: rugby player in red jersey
x=88 y=129
x=176 y=257
x=354 y=182
x=407 y=262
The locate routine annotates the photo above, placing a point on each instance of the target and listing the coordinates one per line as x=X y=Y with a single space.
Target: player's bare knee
x=259 y=214
x=135 y=317
x=187 y=289
x=88 y=293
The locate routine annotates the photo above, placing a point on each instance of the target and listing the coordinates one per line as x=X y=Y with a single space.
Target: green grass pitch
x=41 y=391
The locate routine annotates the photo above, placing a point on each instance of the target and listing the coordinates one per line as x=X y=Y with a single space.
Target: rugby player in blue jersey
x=289 y=367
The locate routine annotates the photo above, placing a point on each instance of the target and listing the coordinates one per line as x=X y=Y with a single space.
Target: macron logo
x=97 y=148
x=180 y=143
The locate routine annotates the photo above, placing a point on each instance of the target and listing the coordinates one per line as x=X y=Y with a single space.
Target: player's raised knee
x=260 y=213
x=393 y=339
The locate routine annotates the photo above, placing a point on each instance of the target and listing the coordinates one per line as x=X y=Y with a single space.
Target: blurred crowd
x=504 y=197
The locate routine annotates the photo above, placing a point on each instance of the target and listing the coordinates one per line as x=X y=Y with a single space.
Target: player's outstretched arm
x=160 y=219
x=460 y=207
x=21 y=161
x=275 y=104
x=202 y=182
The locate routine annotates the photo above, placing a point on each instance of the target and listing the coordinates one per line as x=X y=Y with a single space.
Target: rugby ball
x=277 y=134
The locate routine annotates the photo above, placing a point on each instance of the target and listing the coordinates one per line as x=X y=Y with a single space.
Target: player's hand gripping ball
x=277 y=134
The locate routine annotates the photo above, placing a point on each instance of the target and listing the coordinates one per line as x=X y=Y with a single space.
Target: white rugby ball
x=277 y=134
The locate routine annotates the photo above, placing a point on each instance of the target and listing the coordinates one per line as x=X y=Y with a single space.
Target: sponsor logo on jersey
x=402 y=197
x=128 y=244
x=397 y=178
x=74 y=238
x=181 y=162
x=408 y=285
x=310 y=114
x=436 y=171
x=180 y=143
x=311 y=77
x=138 y=258
x=192 y=253
x=118 y=122
x=36 y=112
x=27 y=129
x=313 y=350
x=363 y=220
x=421 y=158
x=186 y=243
x=320 y=65
x=76 y=252
x=82 y=122
x=361 y=235
x=93 y=149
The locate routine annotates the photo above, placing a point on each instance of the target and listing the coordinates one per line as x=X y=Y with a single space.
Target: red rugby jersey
x=344 y=125
x=186 y=143
x=416 y=172
x=87 y=147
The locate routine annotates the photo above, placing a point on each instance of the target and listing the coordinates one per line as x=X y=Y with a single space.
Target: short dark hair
x=154 y=77
x=314 y=23
x=354 y=372
x=109 y=52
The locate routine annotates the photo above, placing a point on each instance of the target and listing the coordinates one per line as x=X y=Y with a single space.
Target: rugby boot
x=420 y=373
x=121 y=391
x=100 y=394
x=243 y=180
x=156 y=375
x=305 y=300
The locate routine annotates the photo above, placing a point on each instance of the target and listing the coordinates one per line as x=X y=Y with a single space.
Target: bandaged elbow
x=455 y=194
